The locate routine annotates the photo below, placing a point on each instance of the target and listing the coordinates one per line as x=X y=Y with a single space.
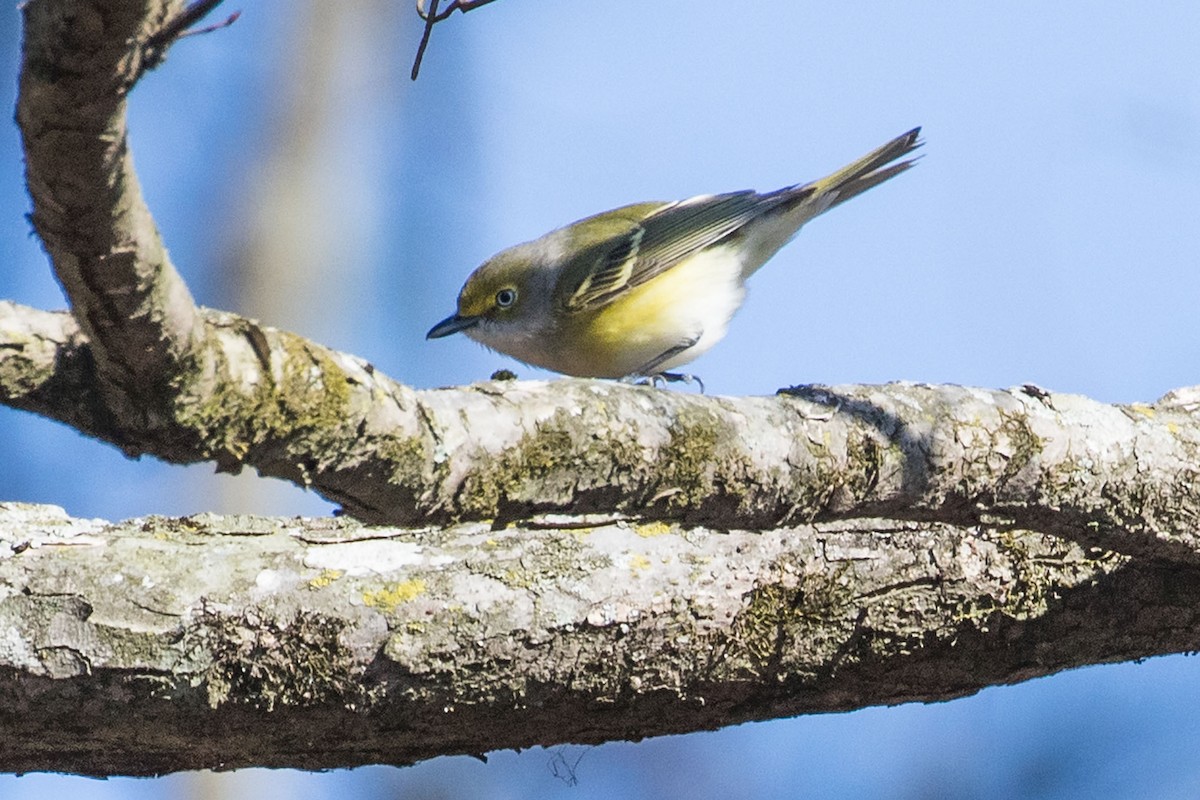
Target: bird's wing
x=631 y=245
x=650 y=239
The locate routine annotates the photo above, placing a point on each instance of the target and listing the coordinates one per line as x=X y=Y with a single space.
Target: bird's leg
x=650 y=373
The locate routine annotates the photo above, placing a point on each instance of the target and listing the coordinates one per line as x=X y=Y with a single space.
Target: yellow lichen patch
x=648 y=529
x=389 y=597
x=1173 y=428
x=638 y=562
x=326 y=577
x=1145 y=411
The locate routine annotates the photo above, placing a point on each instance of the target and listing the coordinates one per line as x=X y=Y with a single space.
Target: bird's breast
x=695 y=299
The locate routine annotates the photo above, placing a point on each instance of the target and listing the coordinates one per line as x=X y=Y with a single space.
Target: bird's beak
x=451 y=324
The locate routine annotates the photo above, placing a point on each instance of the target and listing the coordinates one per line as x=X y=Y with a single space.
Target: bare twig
x=457 y=5
x=180 y=26
x=430 y=19
x=432 y=16
x=216 y=26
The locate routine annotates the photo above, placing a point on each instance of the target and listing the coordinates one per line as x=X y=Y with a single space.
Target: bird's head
x=504 y=301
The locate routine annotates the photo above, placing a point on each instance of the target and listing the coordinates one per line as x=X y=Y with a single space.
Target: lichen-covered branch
x=1124 y=478
x=164 y=644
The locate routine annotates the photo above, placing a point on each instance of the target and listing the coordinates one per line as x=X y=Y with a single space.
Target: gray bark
x=164 y=644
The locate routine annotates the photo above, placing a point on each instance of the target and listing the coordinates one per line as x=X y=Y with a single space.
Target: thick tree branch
x=210 y=642
x=1123 y=478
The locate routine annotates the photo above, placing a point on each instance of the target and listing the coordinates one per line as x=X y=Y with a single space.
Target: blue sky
x=1049 y=235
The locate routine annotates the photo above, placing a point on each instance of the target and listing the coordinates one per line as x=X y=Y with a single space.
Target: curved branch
x=80 y=60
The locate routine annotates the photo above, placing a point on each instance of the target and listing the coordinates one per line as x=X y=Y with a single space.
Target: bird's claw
x=660 y=379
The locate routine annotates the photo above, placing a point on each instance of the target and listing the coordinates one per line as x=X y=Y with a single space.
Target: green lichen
x=832 y=487
x=544 y=561
x=1040 y=566
x=534 y=459
x=266 y=663
x=865 y=457
x=1065 y=479
x=1024 y=443
x=786 y=632
x=763 y=626
x=309 y=399
x=699 y=463
x=1006 y=451
x=409 y=459
x=550 y=466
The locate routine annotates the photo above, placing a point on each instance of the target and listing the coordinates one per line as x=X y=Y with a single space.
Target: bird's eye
x=506 y=297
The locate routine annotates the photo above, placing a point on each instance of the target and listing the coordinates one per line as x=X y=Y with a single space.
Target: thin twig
x=433 y=16
x=216 y=26
x=179 y=26
x=430 y=20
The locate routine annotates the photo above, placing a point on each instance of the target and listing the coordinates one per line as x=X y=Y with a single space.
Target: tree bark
x=165 y=644
x=1123 y=478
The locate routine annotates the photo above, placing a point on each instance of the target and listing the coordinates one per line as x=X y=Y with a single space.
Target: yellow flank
x=695 y=298
x=622 y=336
x=390 y=597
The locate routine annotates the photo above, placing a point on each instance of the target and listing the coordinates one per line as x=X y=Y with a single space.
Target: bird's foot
x=660 y=379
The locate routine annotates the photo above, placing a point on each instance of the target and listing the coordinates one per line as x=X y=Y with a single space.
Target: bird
x=638 y=291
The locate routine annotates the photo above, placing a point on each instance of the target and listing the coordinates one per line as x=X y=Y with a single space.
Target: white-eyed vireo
x=641 y=289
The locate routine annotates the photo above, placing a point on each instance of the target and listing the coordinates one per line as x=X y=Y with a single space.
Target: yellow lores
x=641 y=289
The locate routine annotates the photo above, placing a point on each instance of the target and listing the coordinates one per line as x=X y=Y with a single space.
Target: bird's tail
x=790 y=208
x=871 y=170
x=813 y=199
